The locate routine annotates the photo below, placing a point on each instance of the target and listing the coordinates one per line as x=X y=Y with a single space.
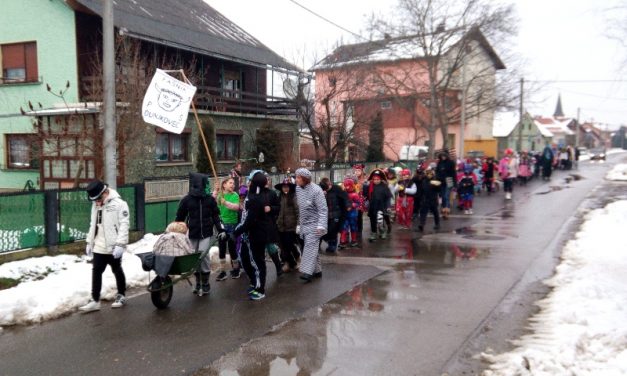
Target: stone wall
x=140 y=160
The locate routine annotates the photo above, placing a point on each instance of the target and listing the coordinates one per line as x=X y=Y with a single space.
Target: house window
x=171 y=147
x=19 y=62
x=227 y=147
x=22 y=151
x=386 y=105
x=232 y=84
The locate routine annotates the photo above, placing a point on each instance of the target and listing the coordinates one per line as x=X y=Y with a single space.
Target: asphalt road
x=415 y=304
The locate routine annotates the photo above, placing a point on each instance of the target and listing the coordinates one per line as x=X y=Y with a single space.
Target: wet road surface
x=429 y=313
x=414 y=304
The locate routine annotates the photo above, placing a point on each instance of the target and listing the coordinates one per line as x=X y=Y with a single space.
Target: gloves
x=117 y=252
x=89 y=250
x=297 y=229
x=223 y=236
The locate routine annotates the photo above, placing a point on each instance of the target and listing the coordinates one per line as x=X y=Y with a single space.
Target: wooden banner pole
x=202 y=136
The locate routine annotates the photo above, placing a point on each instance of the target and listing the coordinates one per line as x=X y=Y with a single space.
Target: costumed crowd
x=293 y=220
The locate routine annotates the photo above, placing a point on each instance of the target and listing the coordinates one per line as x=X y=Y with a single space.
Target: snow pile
x=51 y=287
x=581 y=327
x=66 y=284
x=619 y=172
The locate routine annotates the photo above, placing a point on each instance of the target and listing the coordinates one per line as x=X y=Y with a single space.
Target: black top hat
x=287 y=182
x=95 y=189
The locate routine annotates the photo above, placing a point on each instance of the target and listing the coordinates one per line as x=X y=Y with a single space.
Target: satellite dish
x=290 y=88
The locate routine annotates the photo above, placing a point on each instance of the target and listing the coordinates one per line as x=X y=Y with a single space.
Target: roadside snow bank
x=54 y=286
x=581 y=328
x=619 y=172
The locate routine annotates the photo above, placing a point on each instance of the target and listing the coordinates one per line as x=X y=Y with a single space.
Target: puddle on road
x=364 y=323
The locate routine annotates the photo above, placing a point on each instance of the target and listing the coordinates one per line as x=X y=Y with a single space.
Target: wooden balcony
x=209 y=98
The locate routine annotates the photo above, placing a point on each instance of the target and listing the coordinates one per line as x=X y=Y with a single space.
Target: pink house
x=387 y=81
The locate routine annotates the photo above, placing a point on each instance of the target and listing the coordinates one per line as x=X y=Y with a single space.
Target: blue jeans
x=446 y=194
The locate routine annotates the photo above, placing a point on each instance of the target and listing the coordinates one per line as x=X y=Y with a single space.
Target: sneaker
x=373 y=236
x=120 y=301
x=90 y=307
x=256 y=295
x=196 y=289
x=470 y=211
x=342 y=245
x=221 y=276
x=384 y=234
x=354 y=244
x=466 y=212
x=250 y=289
x=206 y=288
x=236 y=273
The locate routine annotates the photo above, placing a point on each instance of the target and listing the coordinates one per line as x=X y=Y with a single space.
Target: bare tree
x=448 y=42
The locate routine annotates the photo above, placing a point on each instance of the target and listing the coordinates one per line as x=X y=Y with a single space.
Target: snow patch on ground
x=619 y=172
x=581 y=327
x=53 y=286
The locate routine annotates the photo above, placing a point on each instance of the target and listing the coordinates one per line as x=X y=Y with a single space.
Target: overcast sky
x=559 y=40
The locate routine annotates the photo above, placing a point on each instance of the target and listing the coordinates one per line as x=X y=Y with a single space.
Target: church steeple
x=558 y=109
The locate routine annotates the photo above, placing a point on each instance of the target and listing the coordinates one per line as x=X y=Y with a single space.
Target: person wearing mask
x=313 y=217
x=254 y=227
x=107 y=239
x=199 y=210
x=445 y=172
x=337 y=204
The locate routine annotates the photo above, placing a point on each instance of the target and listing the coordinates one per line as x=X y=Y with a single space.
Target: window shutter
x=30 y=50
x=13 y=56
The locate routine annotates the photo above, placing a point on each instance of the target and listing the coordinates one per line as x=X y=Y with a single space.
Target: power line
x=328 y=20
x=575 y=81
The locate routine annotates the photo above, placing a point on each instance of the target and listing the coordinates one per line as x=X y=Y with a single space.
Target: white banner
x=166 y=103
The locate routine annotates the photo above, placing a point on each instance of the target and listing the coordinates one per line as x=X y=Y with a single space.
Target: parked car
x=597 y=154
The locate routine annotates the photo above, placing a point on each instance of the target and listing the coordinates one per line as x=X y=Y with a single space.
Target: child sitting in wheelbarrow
x=174 y=242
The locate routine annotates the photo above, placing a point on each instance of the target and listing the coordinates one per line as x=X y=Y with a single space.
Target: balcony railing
x=212 y=99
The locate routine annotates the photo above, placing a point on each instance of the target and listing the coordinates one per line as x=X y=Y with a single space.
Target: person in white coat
x=106 y=241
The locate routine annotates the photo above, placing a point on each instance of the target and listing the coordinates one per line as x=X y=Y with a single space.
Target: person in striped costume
x=313 y=215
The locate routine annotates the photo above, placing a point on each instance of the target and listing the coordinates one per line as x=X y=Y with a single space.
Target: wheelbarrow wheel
x=161 y=298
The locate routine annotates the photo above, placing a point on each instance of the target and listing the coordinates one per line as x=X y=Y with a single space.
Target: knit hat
x=303 y=172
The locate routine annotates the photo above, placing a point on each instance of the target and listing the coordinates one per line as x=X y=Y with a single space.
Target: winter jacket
x=430 y=190
x=199 y=210
x=445 y=169
x=408 y=188
x=337 y=202
x=258 y=224
x=288 y=214
x=466 y=184
x=114 y=220
x=272 y=200
x=508 y=168
x=379 y=197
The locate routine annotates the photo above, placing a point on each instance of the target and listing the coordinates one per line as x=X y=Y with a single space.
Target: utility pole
x=577 y=128
x=462 y=125
x=108 y=79
x=520 y=119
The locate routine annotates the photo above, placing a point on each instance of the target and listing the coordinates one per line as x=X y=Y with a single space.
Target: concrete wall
x=51 y=24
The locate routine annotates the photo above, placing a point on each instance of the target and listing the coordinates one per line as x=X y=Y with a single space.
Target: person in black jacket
x=417 y=179
x=430 y=188
x=199 y=210
x=272 y=206
x=445 y=173
x=255 y=227
x=337 y=202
